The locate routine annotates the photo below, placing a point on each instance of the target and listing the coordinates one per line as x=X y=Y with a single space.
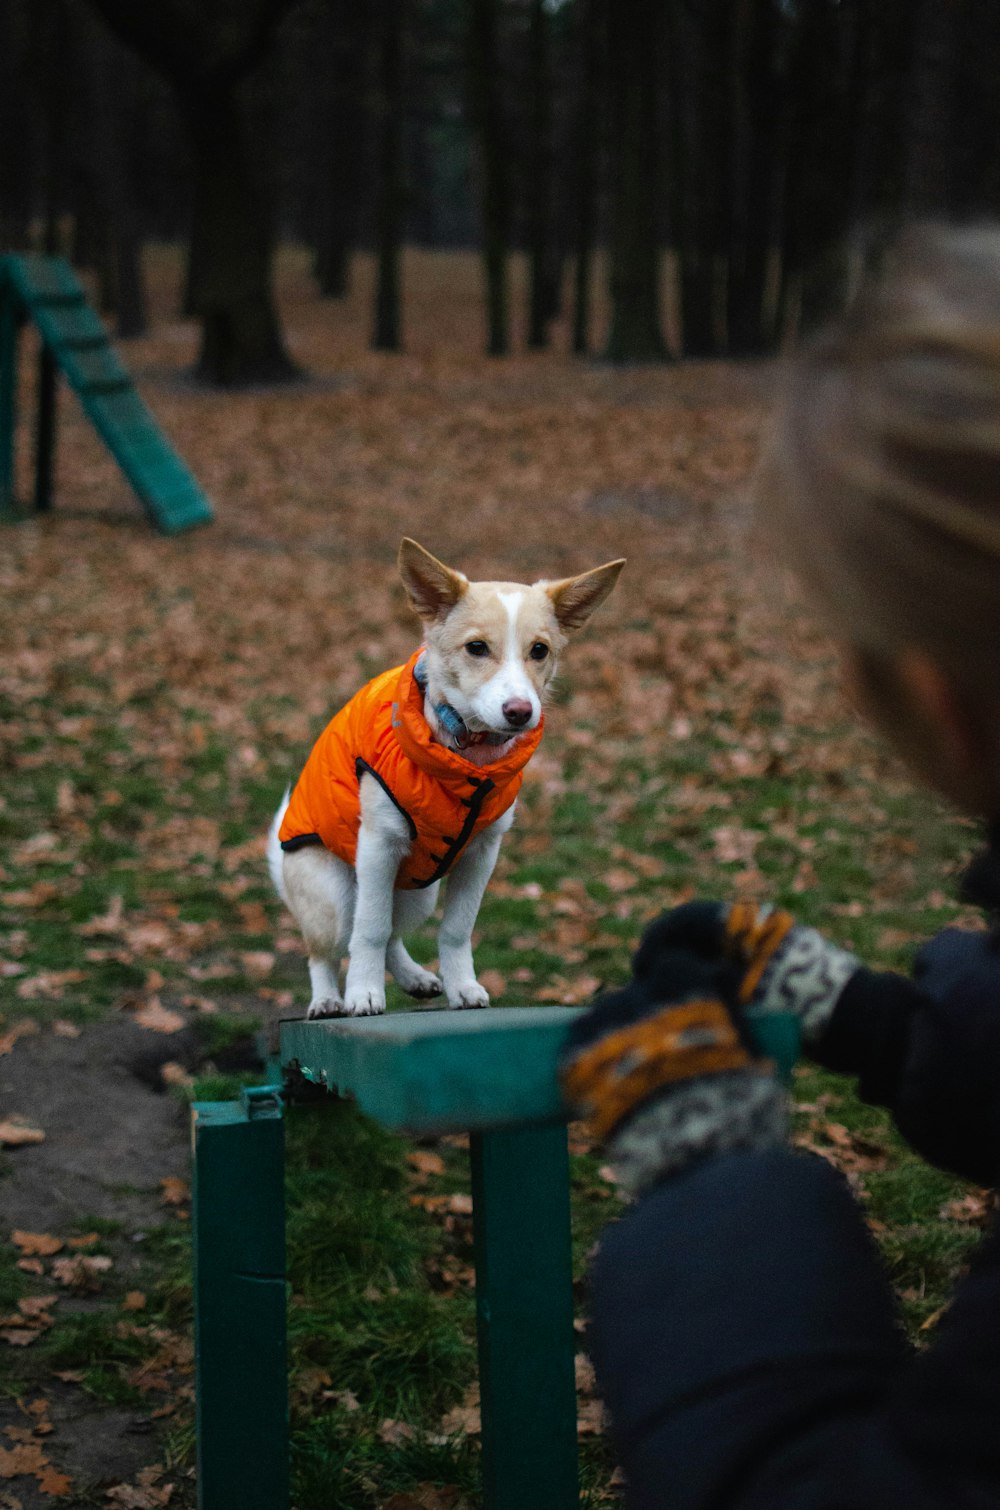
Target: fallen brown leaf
x=158 y=1018
x=257 y=963
x=974 y=1207
x=392 y=1433
x=36 y=1305
x=17 y=1132
x=82 y=1271
x=26 y=1457
x=36 y=1242
x=493 y=981
x=464 y=1418
x=425 y=1162
x=176 y=1192
x=427 y=1497
x=49 y=984
x=144 y=1493
x=25 y=1027
x=51 y=1481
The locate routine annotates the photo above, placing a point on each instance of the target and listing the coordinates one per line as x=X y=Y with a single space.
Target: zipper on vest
x=475 y=805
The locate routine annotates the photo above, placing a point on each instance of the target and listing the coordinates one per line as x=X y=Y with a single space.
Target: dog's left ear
x=575 y=598
x=432 y=587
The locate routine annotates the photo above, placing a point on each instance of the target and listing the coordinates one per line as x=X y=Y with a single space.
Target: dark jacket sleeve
x=748 y=1353
x=928 y=1049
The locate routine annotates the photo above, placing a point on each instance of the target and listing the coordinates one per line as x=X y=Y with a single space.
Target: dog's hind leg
x=320 y=891
x=409 y=910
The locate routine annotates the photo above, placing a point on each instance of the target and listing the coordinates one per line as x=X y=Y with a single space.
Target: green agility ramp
x=46 y=291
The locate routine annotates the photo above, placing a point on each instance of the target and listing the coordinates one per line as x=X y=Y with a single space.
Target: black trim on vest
x=362 y=767
x=474 y=804
x=299 y=841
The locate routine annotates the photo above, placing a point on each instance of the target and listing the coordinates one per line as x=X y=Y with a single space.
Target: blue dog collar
x=449 y=718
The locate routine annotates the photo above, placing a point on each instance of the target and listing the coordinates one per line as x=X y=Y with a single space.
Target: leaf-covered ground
x=156 y=696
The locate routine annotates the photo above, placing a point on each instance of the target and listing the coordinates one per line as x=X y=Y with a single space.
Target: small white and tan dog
x=417 y=777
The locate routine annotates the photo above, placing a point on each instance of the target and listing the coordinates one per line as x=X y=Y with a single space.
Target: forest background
x=507 y=276
x=769 y=146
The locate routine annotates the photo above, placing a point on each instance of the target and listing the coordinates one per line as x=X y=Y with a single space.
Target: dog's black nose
x=517 y=712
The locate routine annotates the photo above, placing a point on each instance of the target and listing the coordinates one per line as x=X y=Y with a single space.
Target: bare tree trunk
x=392 y=190
x=545 y=263
x=485 y=107
x=206 y=50
x=691 y=182
x=16 y=167
x=344 y=127
x=107 y=233
x=231 y=251
x=634 y=52
x=592 y=43
x=57 y=50
x=756 y=95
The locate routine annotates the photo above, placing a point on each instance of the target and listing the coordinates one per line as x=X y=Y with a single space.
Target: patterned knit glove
x=664 y=1071
x=782 y=966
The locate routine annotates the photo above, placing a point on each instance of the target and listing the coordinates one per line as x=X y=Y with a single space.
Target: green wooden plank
x=438 y=1070
x=66 y=328
x=441 y=1071
x=93 y=369
x=238 y=1219
x=524 y=1309
x=126 y=412
x=39 y=278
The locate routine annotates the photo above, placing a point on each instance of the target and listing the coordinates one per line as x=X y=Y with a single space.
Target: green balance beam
x=491 y=1073
x=443 y=1071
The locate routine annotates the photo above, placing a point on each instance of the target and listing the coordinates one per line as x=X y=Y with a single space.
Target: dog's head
x=493 y=647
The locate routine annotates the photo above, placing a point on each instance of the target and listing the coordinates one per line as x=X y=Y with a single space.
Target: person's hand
x=663 y=1068
x=781 y=965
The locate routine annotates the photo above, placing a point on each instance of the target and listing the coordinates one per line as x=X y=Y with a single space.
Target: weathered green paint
x=238 y=1218
x=524 y=1306
x=442 y=1071
x=47 y=291
x=438 y=1070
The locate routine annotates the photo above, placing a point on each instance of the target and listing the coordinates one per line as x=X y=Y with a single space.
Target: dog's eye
x=539 y=650
x=478 y=648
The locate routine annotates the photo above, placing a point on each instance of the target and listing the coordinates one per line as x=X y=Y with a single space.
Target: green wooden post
x=524 y=1305
x=8 y=391
x=238 y=1213
x=45 y=434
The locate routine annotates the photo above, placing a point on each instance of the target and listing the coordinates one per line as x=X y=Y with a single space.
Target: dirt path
x=111 y=1139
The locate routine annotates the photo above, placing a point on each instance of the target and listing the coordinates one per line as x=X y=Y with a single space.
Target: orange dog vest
x=445 y=799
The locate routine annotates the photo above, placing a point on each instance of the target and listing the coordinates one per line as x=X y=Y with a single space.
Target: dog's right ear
x=432 y=587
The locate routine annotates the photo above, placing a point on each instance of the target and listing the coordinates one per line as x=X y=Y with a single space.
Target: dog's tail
x=274 y=853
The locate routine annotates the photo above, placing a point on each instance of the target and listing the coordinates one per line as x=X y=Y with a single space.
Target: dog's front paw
x=364 y=1003
x=421 y=984
x=468 y=994
x=325 y=1006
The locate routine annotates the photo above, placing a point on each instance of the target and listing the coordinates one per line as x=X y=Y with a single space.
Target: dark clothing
x=743 y=1329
